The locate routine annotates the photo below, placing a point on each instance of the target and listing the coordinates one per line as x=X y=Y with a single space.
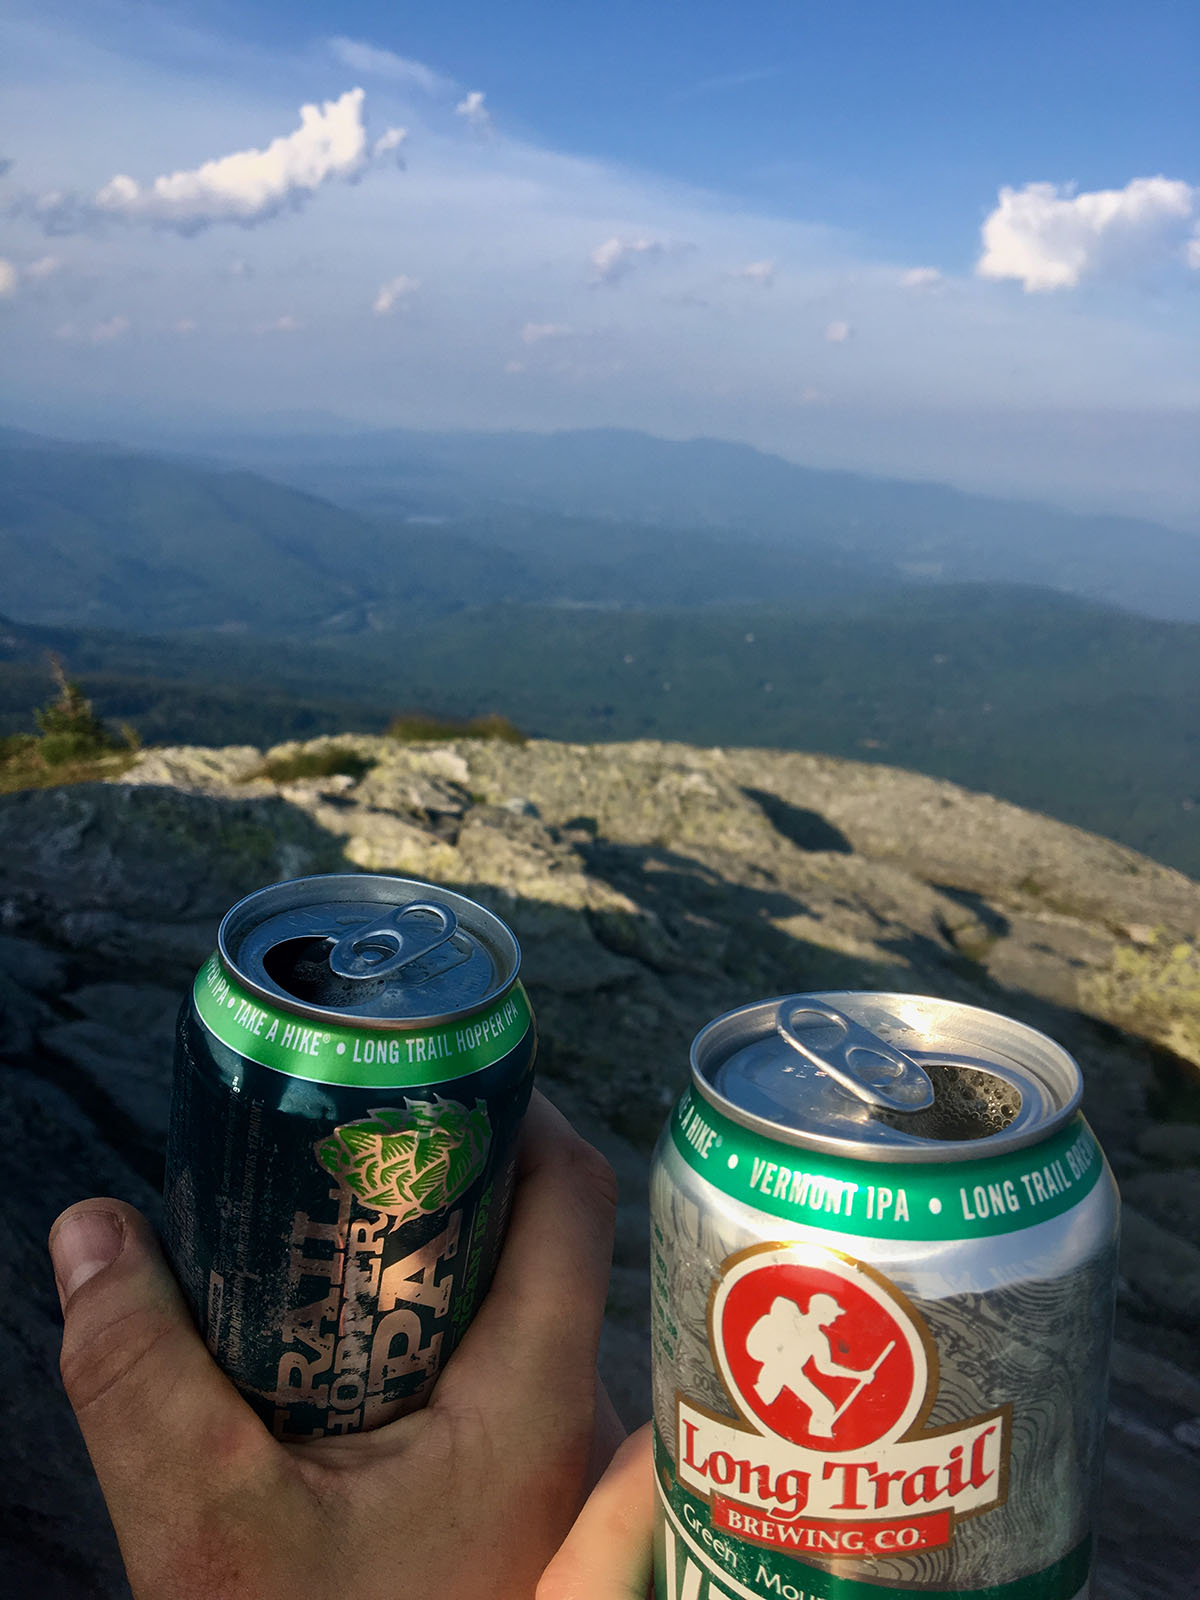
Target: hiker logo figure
x=788 y=1340
x=817 y=1350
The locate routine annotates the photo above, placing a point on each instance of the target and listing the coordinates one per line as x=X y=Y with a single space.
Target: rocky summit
x=652 y=886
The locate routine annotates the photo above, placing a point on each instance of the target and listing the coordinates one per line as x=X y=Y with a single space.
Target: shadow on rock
x=110 y=897
x=807 y=830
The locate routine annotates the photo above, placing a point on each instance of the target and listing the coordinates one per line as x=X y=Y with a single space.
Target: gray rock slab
x=574 y=966
x=141 y=1010
x=1047 y=956
x=101 y=868
x=31 y=965
x=135 y=1073
x=1173 y=1144
x=1172 y=1199
x=1146 y=1533
x=21 y=1015
x=629 y=1297
x=1152 y=1375
x=653 y=886
x=624 y=1362
x=197 y=768
x=1162 y=1268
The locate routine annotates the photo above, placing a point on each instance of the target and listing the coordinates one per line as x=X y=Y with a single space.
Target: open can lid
x=386 y=952
x=884 y=1077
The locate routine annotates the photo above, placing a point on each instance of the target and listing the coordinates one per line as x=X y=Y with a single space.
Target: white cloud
x=761 y=272
x=391 y=139
x=8 y=278
x=922 y=278
x=108 y=330
x=1040 y=393
x=284 y=324
x=105 y=332
x=838 y=332
x=373 y=62
x=1046 y=237
x=616 y=258
x=247 y=187
x=394 y=290
x=1193 y=250
x=185 y=325
x=476 y=113
x=41 y=269
x=536 y=332
x=513 y=367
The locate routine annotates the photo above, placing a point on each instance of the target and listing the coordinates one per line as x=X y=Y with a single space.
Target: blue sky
x=932 y=239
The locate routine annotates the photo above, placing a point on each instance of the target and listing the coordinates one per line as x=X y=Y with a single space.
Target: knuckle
x=594 y=1177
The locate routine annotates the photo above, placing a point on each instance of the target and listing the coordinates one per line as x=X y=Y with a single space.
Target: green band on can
x=384 y=1058
x=889 y=1199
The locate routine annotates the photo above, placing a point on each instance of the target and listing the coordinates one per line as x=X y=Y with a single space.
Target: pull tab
x=377 y=949
x=860 y=1061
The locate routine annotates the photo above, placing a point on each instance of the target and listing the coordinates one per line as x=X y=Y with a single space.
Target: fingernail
x=81 y=1246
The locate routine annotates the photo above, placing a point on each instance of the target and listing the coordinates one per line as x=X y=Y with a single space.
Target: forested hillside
x=1076 y=710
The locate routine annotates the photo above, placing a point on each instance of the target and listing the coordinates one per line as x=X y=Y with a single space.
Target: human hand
x=471 y=1496
x=608 y=1554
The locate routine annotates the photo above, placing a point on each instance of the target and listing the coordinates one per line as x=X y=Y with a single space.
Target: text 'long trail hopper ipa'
x=351 y=1073
x=884 y=1259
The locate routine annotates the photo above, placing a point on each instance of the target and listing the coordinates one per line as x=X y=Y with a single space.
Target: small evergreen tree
x=71 y=730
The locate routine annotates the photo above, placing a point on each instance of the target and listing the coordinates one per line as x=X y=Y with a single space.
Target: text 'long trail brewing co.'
x=351 y=1072
x=884 y=1266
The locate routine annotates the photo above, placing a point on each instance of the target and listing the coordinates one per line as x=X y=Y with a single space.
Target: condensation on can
x=880 y=1337
x=352 y=1068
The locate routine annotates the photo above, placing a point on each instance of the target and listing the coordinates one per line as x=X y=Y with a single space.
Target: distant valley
x=106 y=538
x=203 y=602
x=503 y=485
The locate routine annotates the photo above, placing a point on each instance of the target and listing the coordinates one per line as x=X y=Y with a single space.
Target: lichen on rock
x=1152 y=988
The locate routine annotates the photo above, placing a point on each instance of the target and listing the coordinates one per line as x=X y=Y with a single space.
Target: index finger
x=536 y=1334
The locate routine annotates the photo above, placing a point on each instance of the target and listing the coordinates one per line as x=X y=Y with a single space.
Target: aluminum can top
x=885 y=1077
x=384 y=952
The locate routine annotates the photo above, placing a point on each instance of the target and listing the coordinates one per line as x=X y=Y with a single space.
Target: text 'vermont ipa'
x=351 y=1072
x=884 y=1267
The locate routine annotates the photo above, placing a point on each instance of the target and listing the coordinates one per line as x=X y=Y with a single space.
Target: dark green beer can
x=351 y=1072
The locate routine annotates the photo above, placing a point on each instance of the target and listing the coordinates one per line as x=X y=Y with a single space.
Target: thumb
x=168 y=1435
x=609 y=1553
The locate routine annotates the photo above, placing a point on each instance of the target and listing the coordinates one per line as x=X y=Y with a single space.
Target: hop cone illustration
x=409 y=1162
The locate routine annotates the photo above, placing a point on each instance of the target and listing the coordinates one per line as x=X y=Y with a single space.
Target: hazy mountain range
x=120 y=540
x=604 y=586
x=873 y=526
x=603 y=516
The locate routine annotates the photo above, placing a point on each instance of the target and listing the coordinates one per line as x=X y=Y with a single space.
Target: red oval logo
x=818 y=1350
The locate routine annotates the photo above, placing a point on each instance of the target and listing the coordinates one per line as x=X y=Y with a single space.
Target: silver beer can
x=884 y=1267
